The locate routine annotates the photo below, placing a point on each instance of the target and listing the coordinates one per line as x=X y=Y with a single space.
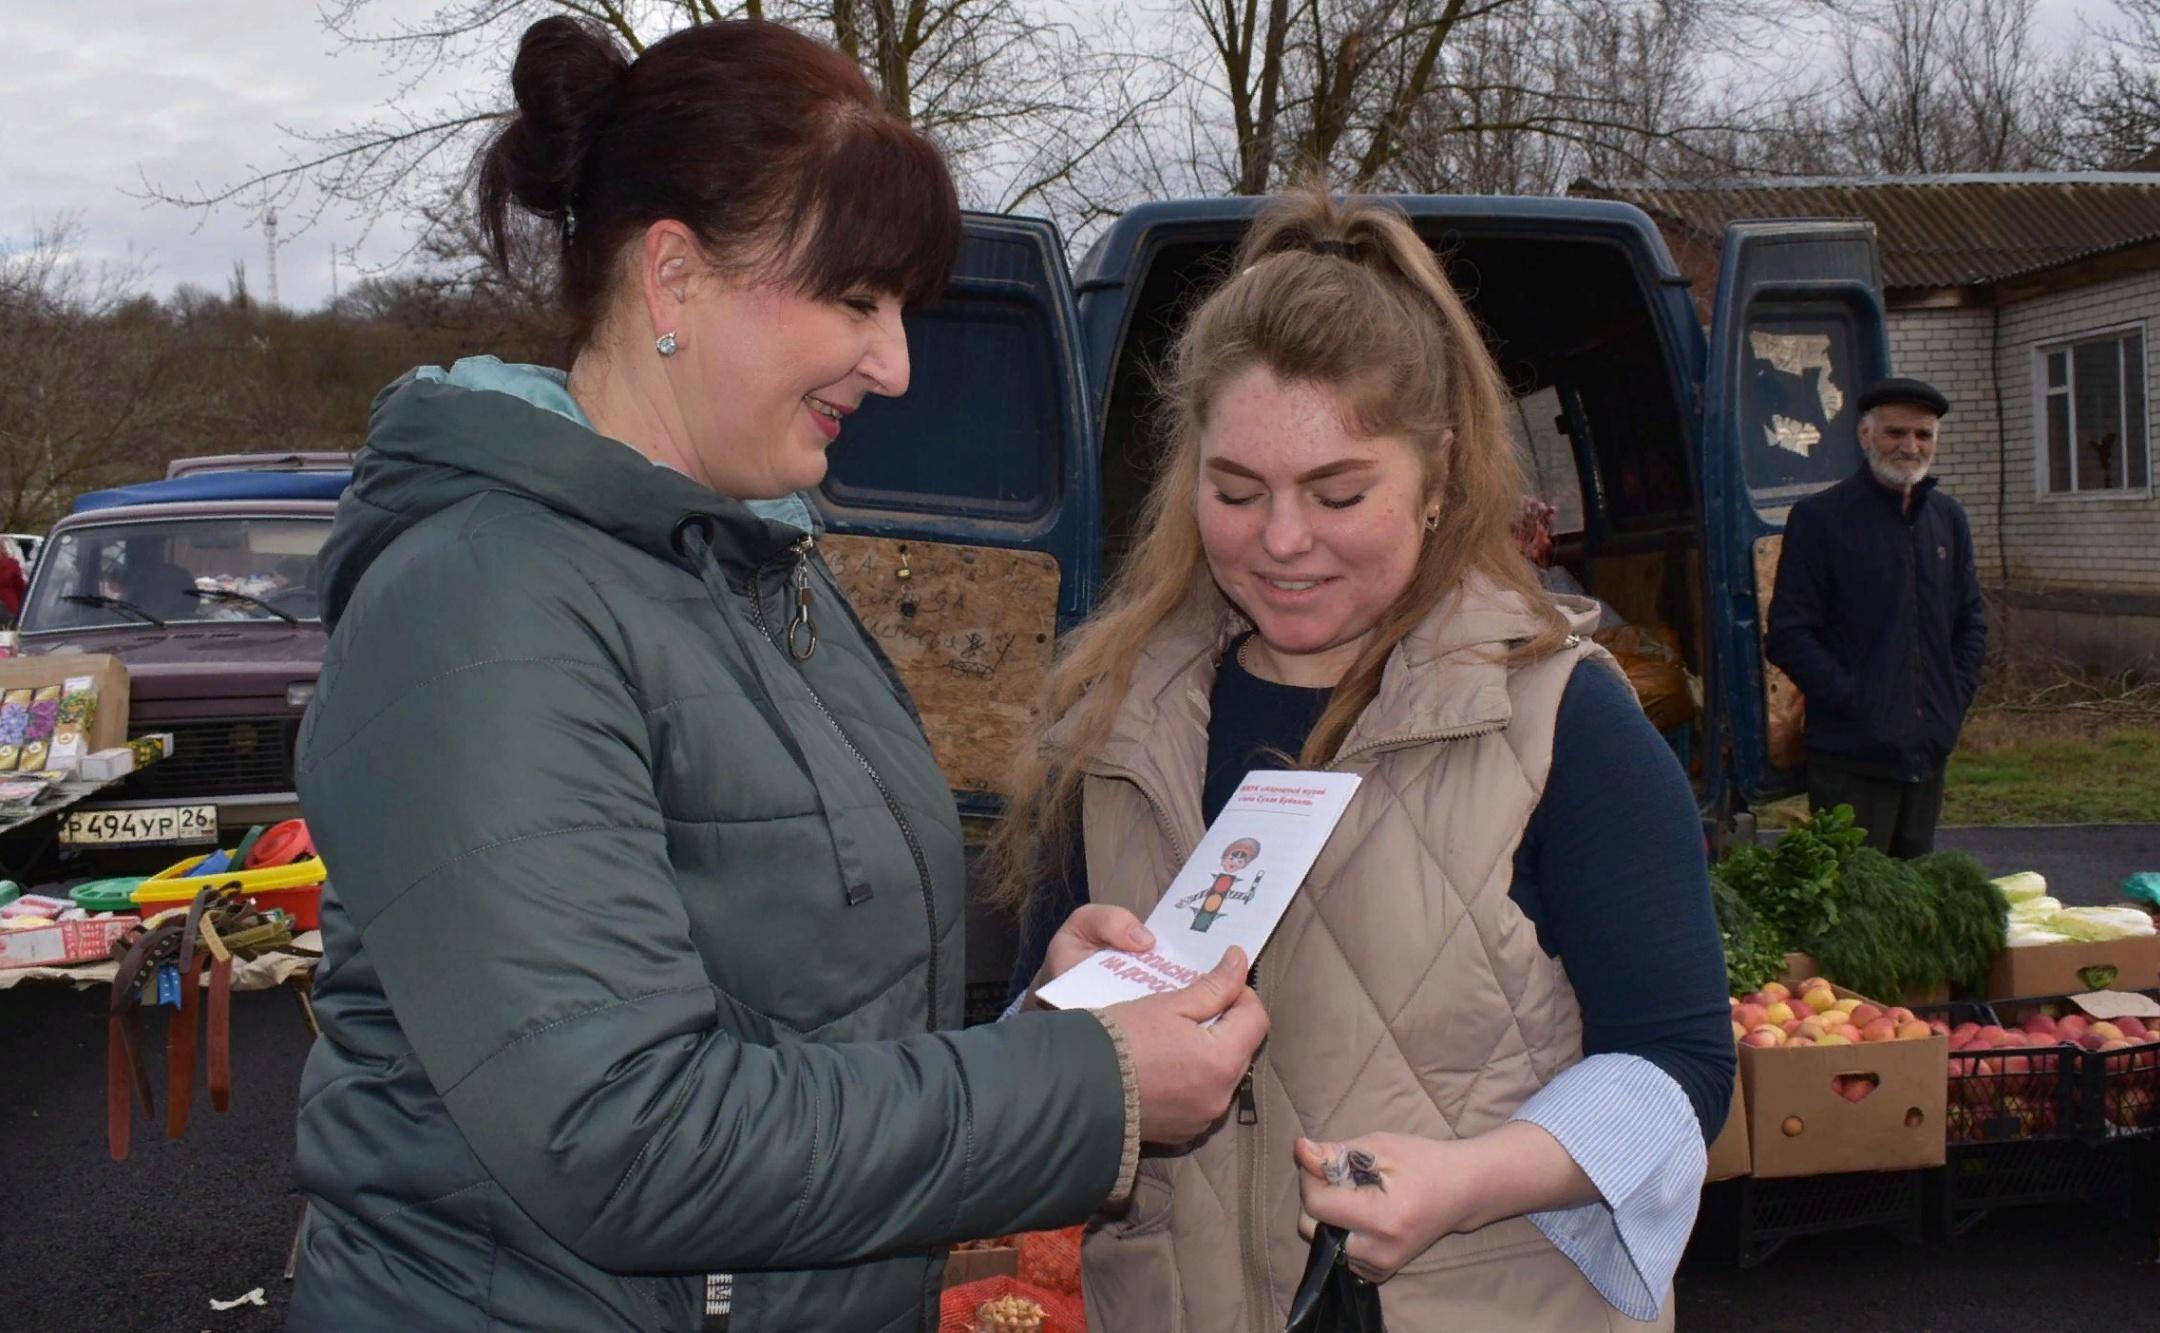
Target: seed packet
x=38 y=732
x=14 y=721
x=71 y=727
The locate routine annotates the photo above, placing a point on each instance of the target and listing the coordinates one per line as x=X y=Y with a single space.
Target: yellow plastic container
x=169 y=886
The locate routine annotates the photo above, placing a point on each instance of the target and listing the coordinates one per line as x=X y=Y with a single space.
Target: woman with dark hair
x=642 y=952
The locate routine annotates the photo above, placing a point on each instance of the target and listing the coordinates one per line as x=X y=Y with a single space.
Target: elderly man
x=1878 y=619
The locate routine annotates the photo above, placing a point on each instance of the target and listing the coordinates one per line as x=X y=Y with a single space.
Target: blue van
x=1671 y=451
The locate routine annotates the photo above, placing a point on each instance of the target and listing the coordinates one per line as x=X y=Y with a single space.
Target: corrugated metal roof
x=1934 y=231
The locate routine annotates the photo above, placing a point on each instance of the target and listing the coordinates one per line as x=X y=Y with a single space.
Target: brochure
x=1233 y=889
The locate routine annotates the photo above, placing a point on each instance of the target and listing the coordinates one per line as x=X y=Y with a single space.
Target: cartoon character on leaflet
x=1207 y=904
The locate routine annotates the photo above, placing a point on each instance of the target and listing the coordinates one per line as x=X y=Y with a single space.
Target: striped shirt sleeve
x=1632 y=1130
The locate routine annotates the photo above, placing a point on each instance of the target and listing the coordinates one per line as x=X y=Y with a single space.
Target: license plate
x=145 y=824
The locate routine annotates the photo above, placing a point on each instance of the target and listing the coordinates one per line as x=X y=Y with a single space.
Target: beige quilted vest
x=1407 y=991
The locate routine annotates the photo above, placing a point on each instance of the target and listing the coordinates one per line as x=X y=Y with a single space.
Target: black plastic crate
x=1764 y=1214
x=2010 y=1094
x=2006 y=1094
x=2116 y=1093
x=2119 y=1093
x=1979 y=1178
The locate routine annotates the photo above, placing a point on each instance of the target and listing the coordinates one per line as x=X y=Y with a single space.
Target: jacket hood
x=439 y=437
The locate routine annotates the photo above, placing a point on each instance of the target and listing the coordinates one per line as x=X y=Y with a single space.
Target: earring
x=1432 y=523
x=665 y=344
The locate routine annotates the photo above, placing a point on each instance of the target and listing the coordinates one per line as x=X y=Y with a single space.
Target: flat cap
x=1911 y=392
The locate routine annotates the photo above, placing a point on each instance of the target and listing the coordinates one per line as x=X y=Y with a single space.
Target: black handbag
x=1330 y=1298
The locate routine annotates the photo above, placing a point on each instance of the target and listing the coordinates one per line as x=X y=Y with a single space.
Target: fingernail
x=1144 y=937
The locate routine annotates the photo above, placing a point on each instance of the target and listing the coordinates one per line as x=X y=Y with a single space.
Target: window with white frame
x=2092 y=418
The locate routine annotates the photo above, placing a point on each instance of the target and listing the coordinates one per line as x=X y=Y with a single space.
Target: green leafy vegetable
x=1970 y=914
x=1753 y=953
x=1884 y=928
x=1793 y=885
x=1884 y=942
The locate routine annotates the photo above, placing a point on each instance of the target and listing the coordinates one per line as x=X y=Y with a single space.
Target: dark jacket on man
x=643 y=949
x=1878 y=618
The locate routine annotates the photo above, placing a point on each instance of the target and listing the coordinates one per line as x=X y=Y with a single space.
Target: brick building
x=2032 y=301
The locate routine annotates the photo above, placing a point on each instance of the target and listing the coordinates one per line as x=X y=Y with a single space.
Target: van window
x=978 y=432
x=1549 y=459
x=1798 y=427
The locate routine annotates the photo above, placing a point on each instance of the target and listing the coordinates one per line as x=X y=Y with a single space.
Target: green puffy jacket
x=642 y=952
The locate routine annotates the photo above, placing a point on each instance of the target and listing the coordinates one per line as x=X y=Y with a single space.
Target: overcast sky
x=99 y=96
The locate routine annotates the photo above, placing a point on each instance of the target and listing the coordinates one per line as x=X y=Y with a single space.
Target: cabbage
x=2021 y=887
x=2035 y=909
x=2099 y=923
x=2023 y=933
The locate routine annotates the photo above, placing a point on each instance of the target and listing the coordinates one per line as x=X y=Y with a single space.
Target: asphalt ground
x=2083 y=863
x=94 y=1245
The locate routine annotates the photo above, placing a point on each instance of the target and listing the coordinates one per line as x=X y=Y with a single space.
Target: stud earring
x=665 y=344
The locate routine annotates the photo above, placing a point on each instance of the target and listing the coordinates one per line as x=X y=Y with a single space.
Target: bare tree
x=1543 y=93
x=1461 y=94
x=91 y=377
x=2119 y=106
x=1945 y=85
x=1017 y=95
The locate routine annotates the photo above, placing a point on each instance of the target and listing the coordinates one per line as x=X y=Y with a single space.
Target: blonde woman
x=1498 y=1013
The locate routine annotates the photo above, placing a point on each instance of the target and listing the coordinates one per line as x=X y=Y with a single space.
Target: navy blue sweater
x=1611 y=871
x=1877 y=617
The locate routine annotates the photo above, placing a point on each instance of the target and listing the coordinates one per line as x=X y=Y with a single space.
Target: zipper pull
x=1248 y=1111
x=801 y=634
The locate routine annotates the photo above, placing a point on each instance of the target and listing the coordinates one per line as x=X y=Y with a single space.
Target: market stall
x=171 y=949
x=63 y=740
x=1921 y=1045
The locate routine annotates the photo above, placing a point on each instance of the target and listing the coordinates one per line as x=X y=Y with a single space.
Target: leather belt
x=159 y=966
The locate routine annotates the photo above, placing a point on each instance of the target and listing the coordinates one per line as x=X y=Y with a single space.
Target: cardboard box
x=1729 y=1155
x=965 y=1266
x=64 y=942
x=109 y=722
x=1800 y=1125
x=2067 y=969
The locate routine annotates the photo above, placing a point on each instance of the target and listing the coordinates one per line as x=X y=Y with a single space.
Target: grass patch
x=2052 y=768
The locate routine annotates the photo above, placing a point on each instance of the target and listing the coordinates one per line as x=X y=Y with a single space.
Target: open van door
x=956 y=514
x=1798 y=330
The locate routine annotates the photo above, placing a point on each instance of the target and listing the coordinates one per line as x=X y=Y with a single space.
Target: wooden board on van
x=971 y=630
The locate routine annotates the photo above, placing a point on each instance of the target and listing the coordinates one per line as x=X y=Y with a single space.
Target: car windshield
x=169 y=571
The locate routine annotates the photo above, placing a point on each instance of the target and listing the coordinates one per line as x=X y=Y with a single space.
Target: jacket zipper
x=801 y=630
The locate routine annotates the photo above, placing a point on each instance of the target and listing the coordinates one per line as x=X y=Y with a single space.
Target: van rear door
x=957 y=513
x=1798 y=329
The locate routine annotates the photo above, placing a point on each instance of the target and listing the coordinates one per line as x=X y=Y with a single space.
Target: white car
x=23 y=546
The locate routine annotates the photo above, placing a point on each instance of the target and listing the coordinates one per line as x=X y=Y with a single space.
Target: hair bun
x=568 y=76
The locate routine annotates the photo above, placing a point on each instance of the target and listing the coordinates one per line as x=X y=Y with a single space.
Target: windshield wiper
x=101 y=601
x=228 y=595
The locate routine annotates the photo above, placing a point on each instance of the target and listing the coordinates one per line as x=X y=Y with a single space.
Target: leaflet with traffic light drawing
x=1232 y=889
